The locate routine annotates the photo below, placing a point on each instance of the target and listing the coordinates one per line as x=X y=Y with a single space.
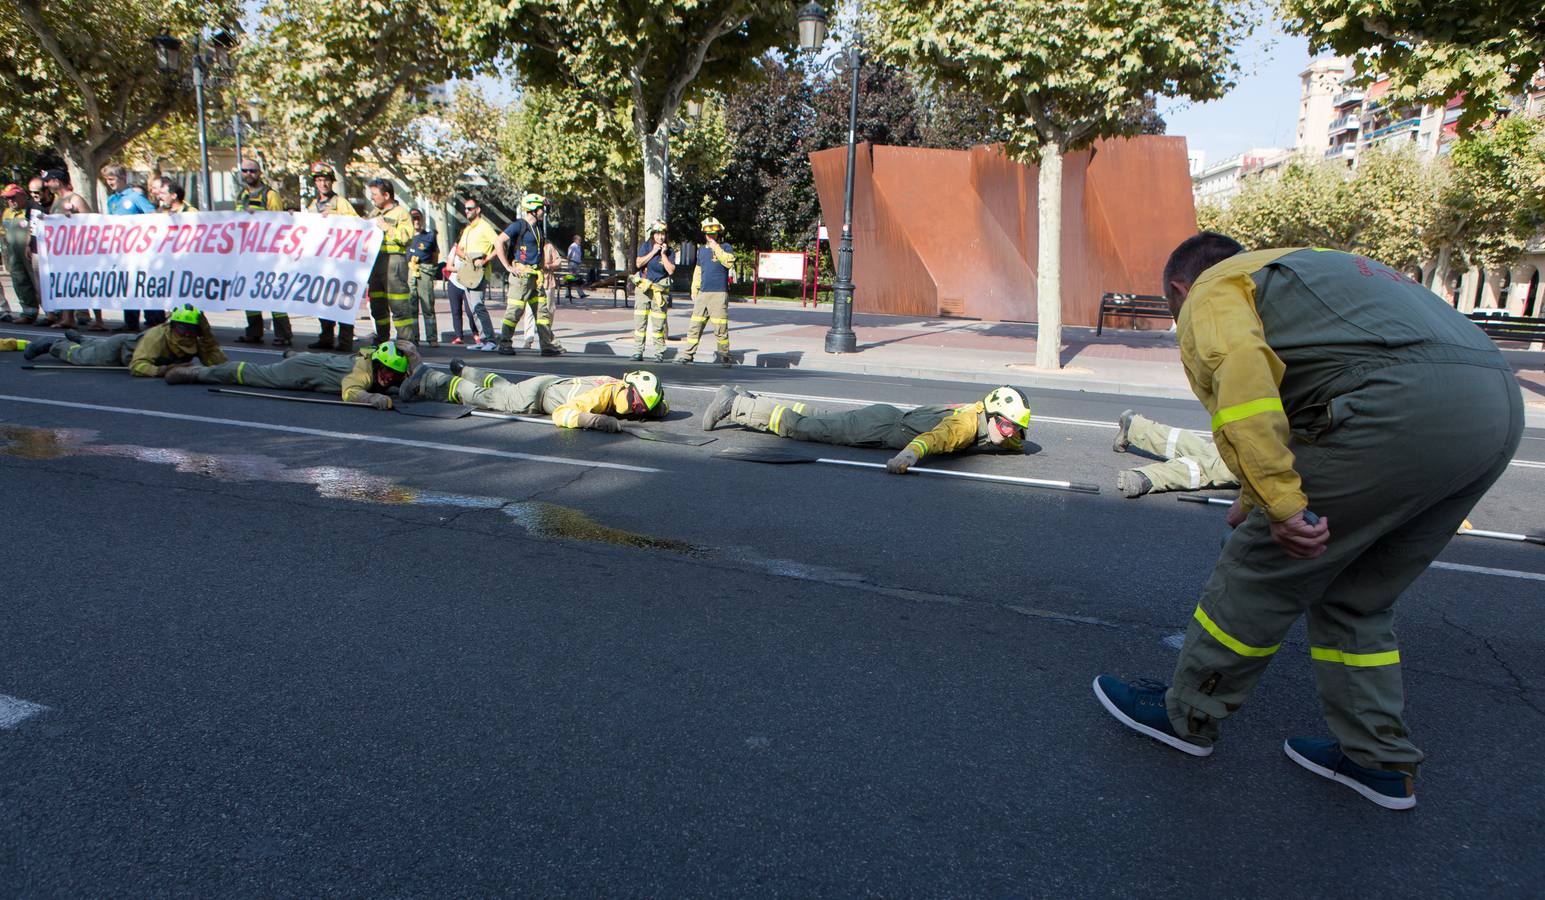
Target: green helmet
x=388 y=355
x=186 y=314
x=1009 y=402
x=533 y=202
x=647 y=385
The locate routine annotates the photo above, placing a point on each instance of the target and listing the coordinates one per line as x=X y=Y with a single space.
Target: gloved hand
x=597 y=422
x=380 y=401
x=898 y=464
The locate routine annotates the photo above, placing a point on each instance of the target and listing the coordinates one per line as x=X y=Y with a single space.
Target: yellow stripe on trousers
x=1359 y=660
x=1228 y=640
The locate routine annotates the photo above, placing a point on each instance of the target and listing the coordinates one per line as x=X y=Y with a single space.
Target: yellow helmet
x=712 y=226
x=1010 y=403
x=533 y=202
x=648 y=386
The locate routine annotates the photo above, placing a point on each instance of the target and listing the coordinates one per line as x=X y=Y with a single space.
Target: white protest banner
x=303 y=264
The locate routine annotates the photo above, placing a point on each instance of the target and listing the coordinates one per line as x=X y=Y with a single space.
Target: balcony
x=1391 y=130
x=1348 y=122
x=1352 y=95
x=1342 y=151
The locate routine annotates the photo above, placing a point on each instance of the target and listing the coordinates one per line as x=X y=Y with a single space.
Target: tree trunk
x=655 y=145
x=1048 y=282
x=603 y=233
x=621 y=252
x=83 y=167
x=1439 y=283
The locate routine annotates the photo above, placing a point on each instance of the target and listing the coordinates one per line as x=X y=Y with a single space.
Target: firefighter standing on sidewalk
x=657 y=260
x=522 y=242
x=257 y=196
x=711 y=295
x=1322 y=371
x=391 y=299
x=328 y=203
x=423 y=265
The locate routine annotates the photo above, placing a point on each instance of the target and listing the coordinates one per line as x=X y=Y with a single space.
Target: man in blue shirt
x=711 y=295
x=126 y=201
x=576 y=268
x=656 y=261
x=523 y=241
x=423 y=265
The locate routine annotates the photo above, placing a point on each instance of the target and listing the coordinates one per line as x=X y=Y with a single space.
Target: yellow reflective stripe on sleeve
x=1228 y=640
x=800 y=408
x=1361 y=660
x=569 y=419
x=917 y=445
x=488 y=380
x=239 y=367
x=777 y=416
x=1245 y=410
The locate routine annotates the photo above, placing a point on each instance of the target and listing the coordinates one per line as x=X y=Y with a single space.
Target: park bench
x=1499 y=326
x=1142 y=306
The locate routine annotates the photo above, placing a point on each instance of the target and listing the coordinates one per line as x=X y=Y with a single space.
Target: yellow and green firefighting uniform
x=147 y=355
x=421 y=278
x=1189 y=461
x=562 y=398
x=711 y=306
x=262 y=198
x=925 y=430
x=352 y=378
x=391 y=300
x=1323 y=372
x=18 y=231
x=335 y=205
x=526 y=287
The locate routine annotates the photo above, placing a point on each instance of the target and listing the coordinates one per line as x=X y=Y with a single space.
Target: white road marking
x=13 y=711
x=337 y=435
x=1486 y=570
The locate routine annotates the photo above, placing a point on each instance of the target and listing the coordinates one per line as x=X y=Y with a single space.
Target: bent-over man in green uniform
x=1323 y=372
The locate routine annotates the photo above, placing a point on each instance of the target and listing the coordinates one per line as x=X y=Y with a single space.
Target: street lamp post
x=169 y=61
x=812 y=34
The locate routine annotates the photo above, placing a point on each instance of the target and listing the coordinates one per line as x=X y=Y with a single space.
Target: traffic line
x=14 y=711
x=337 y=435
x=1487 y=570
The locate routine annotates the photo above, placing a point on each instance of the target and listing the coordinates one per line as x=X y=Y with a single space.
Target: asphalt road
x=286 y=649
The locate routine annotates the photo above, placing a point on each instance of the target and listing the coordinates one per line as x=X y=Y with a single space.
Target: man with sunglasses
x=257 y=196
x=996 y=422
x=595 y=402
x=467 y=275
x=163 y=348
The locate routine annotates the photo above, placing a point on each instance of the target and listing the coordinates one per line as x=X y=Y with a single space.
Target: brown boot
x=183 y=374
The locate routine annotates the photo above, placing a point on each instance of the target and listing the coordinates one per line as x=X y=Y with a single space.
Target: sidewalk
x=781 y=334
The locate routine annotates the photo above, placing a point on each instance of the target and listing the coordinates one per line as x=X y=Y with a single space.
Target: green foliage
x=1486 y=50
x=1494 y=200
x=431 y=148
x=1065 y=73
x=81 y=78
x=562 y=143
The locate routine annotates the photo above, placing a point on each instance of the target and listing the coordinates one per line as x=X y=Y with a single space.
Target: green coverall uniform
x=1191 y=463
x=1342 y=386
x=147 y=355
x=258 y=199
x=926 y=429
x=334 y=205
x=349 y=377
x=18 y=231
x=525 y=245
x=391 y=300
x=547 y=394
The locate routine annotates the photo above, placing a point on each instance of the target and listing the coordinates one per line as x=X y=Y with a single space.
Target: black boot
x=37 y=348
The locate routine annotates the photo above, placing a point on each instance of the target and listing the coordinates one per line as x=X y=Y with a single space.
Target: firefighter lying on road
x=998 y=422
x=366 y=377
x=596 y=402
x=173 y=344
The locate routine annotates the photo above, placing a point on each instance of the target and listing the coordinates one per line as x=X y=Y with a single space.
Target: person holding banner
x=328 y=203
x=68 y=203
x=523 y=240
x=126 y=201
x=163 y=348
x=582 y=402
x=366 y=377
x=657 y=261
x=710 y=295
x=391 y=303
x=467 y=274
x=256 y=196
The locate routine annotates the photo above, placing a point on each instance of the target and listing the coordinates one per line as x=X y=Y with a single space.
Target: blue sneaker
x=1391 y=790
x=1140 y=707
